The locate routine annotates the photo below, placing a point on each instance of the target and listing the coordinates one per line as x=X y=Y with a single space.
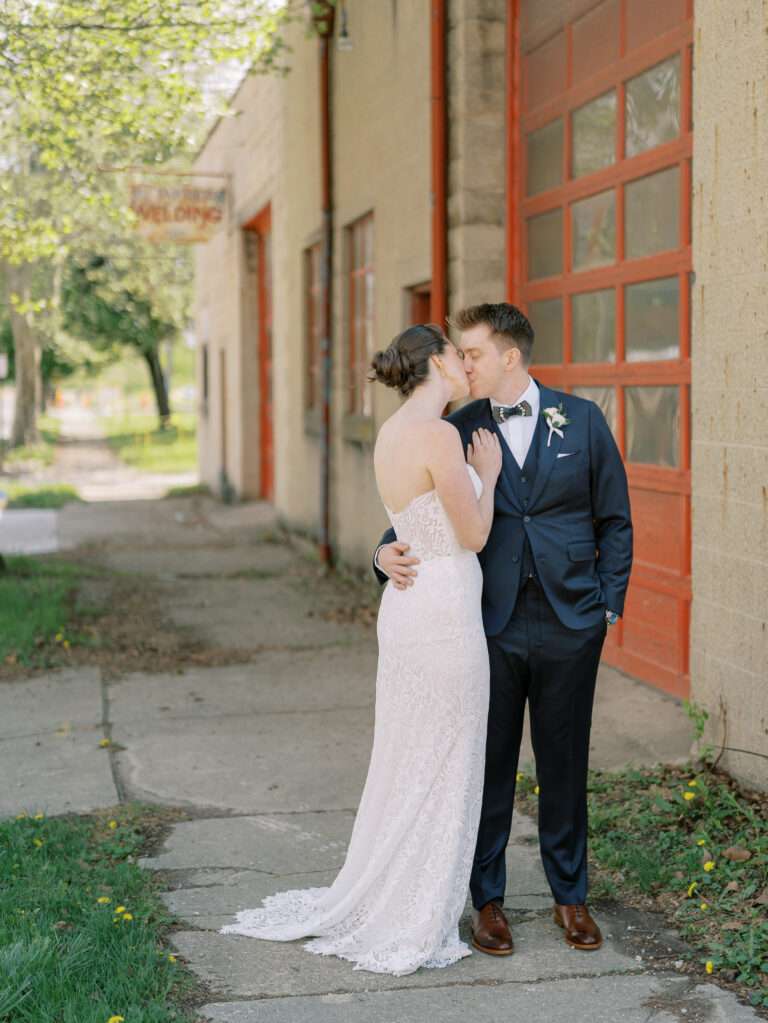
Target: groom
x=555 y=568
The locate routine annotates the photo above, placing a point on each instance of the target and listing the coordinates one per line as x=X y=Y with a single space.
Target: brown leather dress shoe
x=581 y=931
x=490 y=931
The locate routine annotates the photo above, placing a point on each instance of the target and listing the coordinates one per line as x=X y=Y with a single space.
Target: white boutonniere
x=556 y=419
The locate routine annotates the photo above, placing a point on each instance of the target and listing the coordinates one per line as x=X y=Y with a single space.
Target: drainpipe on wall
x=323 y=18
x=439 y=151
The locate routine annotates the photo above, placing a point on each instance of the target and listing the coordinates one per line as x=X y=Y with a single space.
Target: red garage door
x=599 y=256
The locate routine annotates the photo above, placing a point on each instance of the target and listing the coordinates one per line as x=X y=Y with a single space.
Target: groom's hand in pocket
x=394 y=561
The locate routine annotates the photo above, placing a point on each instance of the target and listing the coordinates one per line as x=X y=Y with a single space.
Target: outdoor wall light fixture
x=343 y=41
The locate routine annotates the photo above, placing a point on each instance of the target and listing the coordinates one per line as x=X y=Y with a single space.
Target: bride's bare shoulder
x=417 y=432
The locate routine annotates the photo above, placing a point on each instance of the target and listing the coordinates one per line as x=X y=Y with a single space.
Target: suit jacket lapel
x=547 y=454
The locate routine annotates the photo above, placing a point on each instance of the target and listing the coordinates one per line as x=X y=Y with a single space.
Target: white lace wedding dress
x=396 y=903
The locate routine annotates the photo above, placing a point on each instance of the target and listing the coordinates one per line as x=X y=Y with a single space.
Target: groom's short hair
x=510 y=327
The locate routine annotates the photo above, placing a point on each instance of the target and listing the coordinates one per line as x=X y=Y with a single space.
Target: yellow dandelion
x=519 y=776
x=704 y=905
x=103 y=900
x=689 y=795
x=104 y=743
x=127 y=917
x=709 y=966
x=692 y=888
x=116 y=1019
x=39 y=816
x=112 y=825
x=171 y=959
x=701 y=841
x=37 y=841
x=536 y=790
x=693 y=783
x=21 y=816
x=709 y=865
x=119 y=909
x=59 y=636
x=66 y=644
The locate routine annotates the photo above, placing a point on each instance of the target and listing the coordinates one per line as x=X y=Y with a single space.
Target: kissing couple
x=508 y=558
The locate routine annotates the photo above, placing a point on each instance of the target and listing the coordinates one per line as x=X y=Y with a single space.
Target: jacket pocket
x=582 y=550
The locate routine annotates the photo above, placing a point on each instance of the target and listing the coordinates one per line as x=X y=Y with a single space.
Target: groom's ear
x=512 y=357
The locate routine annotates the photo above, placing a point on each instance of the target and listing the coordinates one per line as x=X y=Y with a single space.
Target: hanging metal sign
x=182 y=213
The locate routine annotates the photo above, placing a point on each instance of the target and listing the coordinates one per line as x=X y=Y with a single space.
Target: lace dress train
x=396 y=903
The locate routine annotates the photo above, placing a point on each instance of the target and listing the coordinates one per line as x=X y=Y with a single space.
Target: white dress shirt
x=517 y=431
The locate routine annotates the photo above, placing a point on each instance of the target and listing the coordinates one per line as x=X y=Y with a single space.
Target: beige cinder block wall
x=296 y=225
x=245 y=145
x=381 y=103
x=380 y=100
x=729 y=635
x=476 y=61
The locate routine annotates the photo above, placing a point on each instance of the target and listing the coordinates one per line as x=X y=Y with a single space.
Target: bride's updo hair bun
x=405 y=363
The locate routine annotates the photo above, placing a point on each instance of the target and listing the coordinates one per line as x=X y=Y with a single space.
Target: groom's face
x=484 y=361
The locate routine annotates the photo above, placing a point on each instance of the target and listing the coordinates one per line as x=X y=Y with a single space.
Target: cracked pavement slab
x=50 y=728
x=606 y=999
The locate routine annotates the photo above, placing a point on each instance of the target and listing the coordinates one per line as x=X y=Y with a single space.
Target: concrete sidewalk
x=269 y=758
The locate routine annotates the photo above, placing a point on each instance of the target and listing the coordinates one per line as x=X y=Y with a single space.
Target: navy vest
x=522 y=480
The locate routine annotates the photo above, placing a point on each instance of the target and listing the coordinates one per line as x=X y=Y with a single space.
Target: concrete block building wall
x=244 y=145
x=476 y=46
x=381 y=166
x=729 y=635
x=296 y=224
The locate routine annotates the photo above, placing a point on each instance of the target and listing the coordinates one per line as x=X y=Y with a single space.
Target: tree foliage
x=87 y=85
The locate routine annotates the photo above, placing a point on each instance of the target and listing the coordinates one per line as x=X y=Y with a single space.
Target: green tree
x=99 y=306
x=88 y=84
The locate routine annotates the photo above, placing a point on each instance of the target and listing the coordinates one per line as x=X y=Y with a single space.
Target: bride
x=396 y=903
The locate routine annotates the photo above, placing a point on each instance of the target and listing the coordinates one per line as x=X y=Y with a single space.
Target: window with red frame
x=600 y=203
x=360 y=339
x=313 y=326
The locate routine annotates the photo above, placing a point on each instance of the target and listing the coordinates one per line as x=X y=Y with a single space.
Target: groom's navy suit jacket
x=574 y=514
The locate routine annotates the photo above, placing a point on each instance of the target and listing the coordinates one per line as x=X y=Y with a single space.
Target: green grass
x=195 y=490
x=51 y=496
x=66 y=956
x=140 y=443
x=684 y=856
x=35 y=609
x=40 y=454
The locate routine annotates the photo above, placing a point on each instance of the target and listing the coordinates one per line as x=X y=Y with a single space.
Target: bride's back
x=400 y=459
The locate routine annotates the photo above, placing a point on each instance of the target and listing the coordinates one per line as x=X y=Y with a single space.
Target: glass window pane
x=652 y=214
x=594 y=135
x=652 y=321
x=594 y=230
x=545 y=244
x=547 y=321
x=594 y=326
x=653 y=107
x=545 y=158
x=653 y=425
x=604 y=398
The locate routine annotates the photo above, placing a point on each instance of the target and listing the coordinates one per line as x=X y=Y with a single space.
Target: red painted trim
x=261 y=226
x=326 y=283
x=515 y=173
x=439 y=154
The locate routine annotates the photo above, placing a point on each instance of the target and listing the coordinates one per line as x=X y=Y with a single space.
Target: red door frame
x=261 y=226
x=672 y=677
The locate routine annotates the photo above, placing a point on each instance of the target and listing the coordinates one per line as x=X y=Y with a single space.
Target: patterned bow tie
x=501 y=413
